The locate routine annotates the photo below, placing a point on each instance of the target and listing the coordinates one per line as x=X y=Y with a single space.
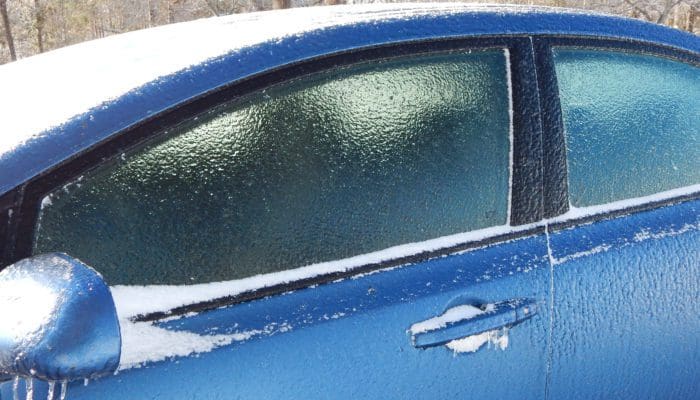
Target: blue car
x=378 y=202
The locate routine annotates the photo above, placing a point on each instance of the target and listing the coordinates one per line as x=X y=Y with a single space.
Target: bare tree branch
x=8 y=30
x=212 y=7
x=669 y=5
x=636 y=10
x=218 y=9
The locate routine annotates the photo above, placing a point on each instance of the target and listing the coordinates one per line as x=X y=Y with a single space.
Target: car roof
x=59 y=103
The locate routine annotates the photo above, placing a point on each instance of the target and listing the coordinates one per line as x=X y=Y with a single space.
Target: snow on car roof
x=64 y=101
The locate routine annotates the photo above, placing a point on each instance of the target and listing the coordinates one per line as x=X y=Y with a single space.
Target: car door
x=626 y=255
x=362 y=230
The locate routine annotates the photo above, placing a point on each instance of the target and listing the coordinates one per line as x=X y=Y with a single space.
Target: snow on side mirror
x=57 y=320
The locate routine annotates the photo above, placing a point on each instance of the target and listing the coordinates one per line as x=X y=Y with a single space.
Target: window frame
x=555 y=180
x=525 y=194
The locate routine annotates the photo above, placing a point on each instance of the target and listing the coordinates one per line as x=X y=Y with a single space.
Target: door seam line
x=550 y=336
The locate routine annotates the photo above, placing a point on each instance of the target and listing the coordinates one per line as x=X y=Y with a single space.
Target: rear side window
x=631 y=121
x=328 y=166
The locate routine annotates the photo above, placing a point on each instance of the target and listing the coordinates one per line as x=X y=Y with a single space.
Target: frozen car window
x=632 y=124
x=321 y=168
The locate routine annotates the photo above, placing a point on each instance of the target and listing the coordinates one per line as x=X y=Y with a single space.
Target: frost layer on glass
x=631 y=121
x=325 y=167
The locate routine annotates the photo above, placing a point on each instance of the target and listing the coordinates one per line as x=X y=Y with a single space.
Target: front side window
x=321 y=168
x=631 y=122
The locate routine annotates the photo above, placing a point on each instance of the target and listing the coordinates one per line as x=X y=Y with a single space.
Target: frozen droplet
x=30 y=388
x=15 y=388
x=52 y=389
x=64 y=389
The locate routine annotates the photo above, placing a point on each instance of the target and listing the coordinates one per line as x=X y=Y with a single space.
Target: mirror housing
x=57 y=320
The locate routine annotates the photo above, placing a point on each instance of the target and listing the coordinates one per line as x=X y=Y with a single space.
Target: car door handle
x=467 y=320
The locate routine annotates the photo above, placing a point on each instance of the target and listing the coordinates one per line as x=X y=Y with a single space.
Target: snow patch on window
x=46 y=201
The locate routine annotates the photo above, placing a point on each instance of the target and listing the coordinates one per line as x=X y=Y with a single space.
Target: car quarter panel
x=626 y=306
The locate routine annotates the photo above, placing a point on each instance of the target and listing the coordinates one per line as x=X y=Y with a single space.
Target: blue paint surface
x=624 y=325
x=626 y=315
x=366 y=352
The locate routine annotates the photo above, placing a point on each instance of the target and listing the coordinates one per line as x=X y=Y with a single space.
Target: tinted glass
x=631 y=124
x=325 y=167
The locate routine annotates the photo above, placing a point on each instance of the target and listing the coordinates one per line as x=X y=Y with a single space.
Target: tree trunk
x=39 y=18
x=691 y=19
x=8 y=31
x=171 y=10
x=279 y=4
x=151 y=14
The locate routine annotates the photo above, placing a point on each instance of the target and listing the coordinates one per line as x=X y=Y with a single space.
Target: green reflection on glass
x=321 y=168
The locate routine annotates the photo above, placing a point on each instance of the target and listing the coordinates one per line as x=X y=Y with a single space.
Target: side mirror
x=57 y=320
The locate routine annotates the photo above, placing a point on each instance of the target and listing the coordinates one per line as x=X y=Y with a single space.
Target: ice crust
x=497 y=337
x=26 y=313
x=470 y=344
x=511 y=130
x=452 y=315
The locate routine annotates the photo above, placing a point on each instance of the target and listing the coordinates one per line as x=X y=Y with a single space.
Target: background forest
x=28 y=27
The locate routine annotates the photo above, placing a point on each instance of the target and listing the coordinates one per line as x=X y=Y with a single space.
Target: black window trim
x=9 y=204
x=555 y=176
